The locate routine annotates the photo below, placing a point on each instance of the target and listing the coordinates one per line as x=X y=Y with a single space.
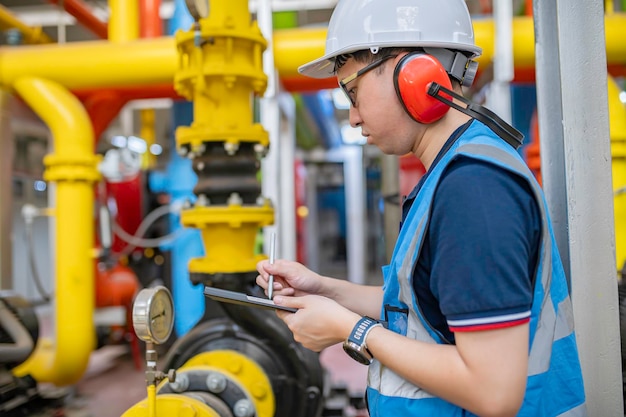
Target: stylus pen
x=270 y=288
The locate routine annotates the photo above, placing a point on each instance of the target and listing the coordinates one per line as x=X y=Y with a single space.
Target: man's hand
x=290 y=278
x=319 y=322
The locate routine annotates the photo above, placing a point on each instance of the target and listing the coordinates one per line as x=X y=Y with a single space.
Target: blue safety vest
x=554 y=386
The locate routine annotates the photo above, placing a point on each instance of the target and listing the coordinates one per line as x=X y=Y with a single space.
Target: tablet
x=233 y=297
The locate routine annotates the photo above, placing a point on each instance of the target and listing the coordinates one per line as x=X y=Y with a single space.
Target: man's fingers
x=261 y=282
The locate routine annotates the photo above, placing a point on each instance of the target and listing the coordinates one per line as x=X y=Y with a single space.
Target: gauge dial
x=199 y=9
x=153 y=314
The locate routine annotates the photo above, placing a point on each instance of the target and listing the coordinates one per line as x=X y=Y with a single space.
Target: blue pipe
x=323 y=111
x=178 y=181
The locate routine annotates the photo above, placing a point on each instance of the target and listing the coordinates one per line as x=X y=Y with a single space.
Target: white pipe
x=499 y=97
x=356 y=230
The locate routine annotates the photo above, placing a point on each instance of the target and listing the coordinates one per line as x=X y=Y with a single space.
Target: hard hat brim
x=324 y=67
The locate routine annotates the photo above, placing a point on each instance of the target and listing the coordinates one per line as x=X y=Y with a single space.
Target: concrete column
x=576 y=170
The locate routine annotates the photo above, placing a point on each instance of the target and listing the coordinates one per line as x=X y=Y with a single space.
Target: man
x=474 y=317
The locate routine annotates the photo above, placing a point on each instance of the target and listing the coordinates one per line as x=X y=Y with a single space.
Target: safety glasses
x=351 y=94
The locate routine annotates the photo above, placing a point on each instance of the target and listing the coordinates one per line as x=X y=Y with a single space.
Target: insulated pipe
x=85 y=17
x=22 y=341
x=30 y=34
x=99 y=64
x=72 y=167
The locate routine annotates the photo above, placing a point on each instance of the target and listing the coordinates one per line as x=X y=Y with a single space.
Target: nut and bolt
x=235 y=200
x=199 y=149
x=181 y=384
x=260 y=150
x=203 y=201
x=231 y=148
x=216 y=382
x=243 y=408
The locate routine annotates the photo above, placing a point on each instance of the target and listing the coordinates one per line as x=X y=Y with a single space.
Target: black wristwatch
x=355 y=345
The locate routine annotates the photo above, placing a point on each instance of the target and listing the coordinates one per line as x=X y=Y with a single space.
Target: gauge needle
x=162 y=313
x=270 y=287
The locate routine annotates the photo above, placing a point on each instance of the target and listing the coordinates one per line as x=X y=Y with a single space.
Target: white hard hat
x=372 y=24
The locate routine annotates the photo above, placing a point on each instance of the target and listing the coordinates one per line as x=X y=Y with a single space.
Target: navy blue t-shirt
x=476 y=267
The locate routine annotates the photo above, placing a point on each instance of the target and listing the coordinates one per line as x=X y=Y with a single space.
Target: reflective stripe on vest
x=548 y=325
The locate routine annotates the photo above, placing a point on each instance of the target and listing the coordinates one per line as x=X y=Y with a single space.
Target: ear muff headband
x=412 y=77
x=512 y=136
x=424 y=89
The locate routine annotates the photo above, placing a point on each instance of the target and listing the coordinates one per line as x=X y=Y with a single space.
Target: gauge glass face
x=160 y=317
x=199 y=9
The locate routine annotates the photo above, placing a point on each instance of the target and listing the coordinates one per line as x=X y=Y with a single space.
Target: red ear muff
x=412 y=76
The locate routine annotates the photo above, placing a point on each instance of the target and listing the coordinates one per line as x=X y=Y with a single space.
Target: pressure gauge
x=199 y=9
x=153 y=314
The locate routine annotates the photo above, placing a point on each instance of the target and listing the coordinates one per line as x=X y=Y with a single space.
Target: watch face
x=355 y=353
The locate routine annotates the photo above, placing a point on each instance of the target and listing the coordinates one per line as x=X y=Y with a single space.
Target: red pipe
x=485 y=5
x=533 y=158
x=103 y=105
x=302 y=84
x=85 y=17
x=529 y=7
x=150 y=20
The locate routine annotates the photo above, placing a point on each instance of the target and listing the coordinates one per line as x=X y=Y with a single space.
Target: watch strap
x=360 y=331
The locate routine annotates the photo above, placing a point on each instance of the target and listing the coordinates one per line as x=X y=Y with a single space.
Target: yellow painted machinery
x=221 y=71
x=245 y=362
x=224 y=369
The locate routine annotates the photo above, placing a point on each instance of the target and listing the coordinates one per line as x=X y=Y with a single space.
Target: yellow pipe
x=152 y=399
x=147 y=132
x=173 y=405
x=72 y=167
x=293 y=47
x=617 y=122
x=124 y=20
x=31 y=35
x=609 y=6
x=154 y=61
x=94 y=64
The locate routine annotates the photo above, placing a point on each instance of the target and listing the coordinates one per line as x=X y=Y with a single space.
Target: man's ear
x=412 y=76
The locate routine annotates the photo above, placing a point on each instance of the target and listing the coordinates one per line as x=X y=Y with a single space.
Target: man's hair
x=365 y=56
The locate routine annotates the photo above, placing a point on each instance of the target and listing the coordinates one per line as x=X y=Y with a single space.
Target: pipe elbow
x=73 y=167
x=62 y=112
